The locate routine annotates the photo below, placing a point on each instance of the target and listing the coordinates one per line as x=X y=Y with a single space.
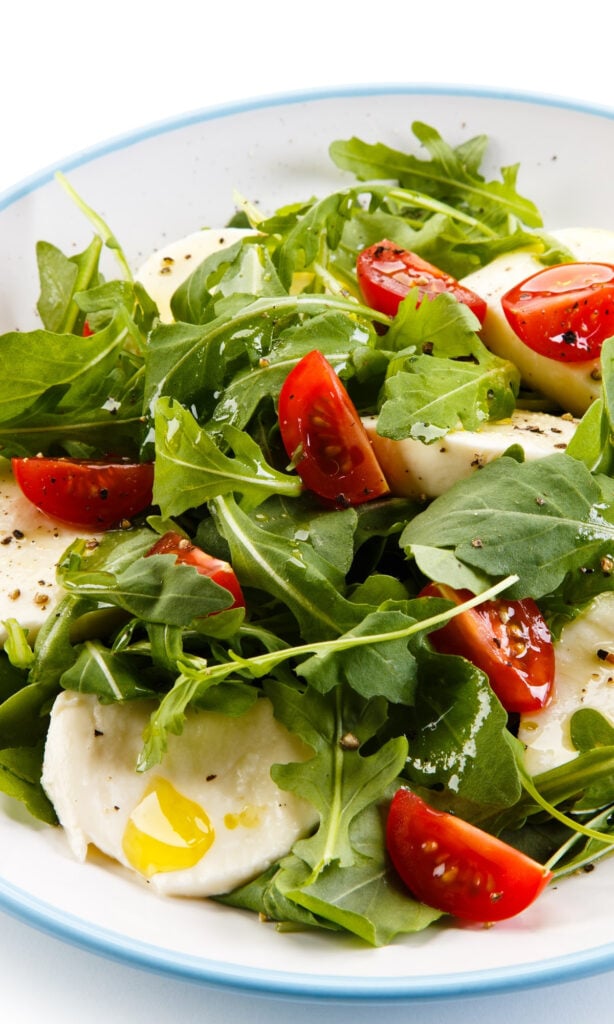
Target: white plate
x=158 y=185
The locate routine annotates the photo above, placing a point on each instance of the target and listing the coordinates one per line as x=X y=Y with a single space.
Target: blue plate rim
x=214 y=112
x=272 y=983
x=112 y=945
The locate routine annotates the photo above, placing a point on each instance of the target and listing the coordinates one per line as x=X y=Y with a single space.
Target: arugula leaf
x=456 y=733
x=364 y=898
x=447 y=175
x=20 y=772
x=110 y=676
x=543 y=518
x=186 y=451
x=288 y=569
x=155 y=589
x=458 y=383
x=592 y=441
x=339 y=781
x=385 y=669
x=61 y=277
x=244 y=268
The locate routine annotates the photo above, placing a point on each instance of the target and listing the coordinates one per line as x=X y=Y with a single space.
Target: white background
x=74 y=74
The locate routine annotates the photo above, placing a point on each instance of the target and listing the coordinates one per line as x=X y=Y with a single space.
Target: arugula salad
x=239 y=545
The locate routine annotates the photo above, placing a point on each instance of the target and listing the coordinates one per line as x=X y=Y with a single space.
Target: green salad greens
x=334 y=632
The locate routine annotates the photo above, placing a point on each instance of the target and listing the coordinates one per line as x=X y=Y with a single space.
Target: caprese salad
x=308 y=552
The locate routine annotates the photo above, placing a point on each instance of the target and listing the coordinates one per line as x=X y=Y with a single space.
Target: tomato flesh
x=386 y=273
x=324 y=435
x=84 y=493
x=508 y=640
x=186 y=553
x=564 y=312
x=456 y=867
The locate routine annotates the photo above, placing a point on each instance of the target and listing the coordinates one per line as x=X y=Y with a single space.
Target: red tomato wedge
x=323 y=433
x=508 y=640
x=92 y=494
x=456 y=867
x=564 y=312
x=217 y=569
x=386 y=273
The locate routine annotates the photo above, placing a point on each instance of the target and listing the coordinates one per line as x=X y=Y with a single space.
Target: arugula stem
x=101 y=226
x=260 y=664
x=82 y=282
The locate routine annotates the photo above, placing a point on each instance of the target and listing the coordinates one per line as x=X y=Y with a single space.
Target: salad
x=239 y=547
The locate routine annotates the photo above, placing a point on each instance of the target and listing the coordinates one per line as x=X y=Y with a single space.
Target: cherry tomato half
x=508 y=640
x=456 y=867
x=322 y=431
x=386 y=273
x=185 y=552
x=564 y=312
x=91 y=494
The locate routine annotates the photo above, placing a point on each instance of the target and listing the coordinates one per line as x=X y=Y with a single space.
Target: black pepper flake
x=18 y=534
x=98 y=732
x=604 y=655
x=210 y=778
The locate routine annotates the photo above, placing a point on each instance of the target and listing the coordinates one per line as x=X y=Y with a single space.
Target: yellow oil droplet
x=249 y=817
x=166 y=831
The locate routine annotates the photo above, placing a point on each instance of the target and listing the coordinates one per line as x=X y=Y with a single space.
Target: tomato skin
x=186 y=553
x=318 y=419
x=564 y=312
x=386 y=273
x=456 y=867
x=85 y=493
x=508 y=640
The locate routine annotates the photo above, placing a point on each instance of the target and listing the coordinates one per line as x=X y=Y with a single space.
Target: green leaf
x=446 y=175
x=20 y=772
x=386 y=669
x=365 y=898
x=543 y=518
x=112 y=677
x=456 y=733
x=61 y=277
x=290 y=570
x=339 y=781
x=459 y=383
x=185 y=451
x=244 y=268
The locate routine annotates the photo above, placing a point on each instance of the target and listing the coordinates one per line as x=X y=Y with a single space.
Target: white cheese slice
x=167 y=268
x=582 y=680
x=573 y=385
x=218 y=775
x=417 y=470
x=31 y=546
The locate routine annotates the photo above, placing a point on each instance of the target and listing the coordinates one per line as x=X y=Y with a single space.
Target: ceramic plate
x=165 y=182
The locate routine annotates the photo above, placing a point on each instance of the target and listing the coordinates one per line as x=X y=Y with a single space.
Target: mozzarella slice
x=31 y=546
x=417 y=470
x=166 y=269
x=206 y=820
x=583 y=679
x=573 y=385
